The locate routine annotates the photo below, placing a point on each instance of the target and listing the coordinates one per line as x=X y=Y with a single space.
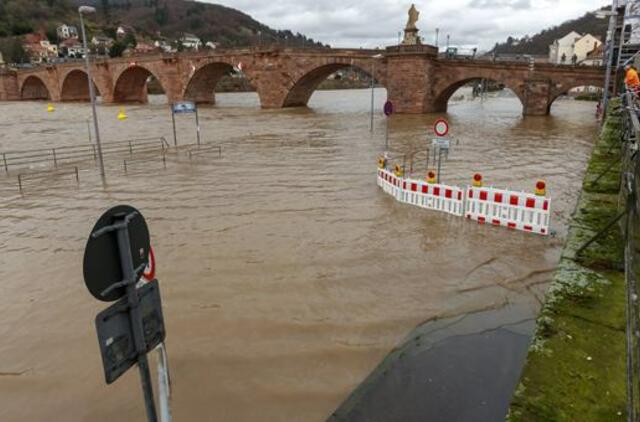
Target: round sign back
x=101 y=265
x=388 y=108
x=441 y=127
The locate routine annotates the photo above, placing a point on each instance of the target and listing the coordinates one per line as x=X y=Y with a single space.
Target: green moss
x=575 y=369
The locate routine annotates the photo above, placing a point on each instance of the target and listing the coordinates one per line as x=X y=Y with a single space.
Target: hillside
x=539 y=43
x=170 y=18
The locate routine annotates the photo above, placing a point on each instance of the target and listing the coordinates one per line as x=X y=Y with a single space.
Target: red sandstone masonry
x=417 y=81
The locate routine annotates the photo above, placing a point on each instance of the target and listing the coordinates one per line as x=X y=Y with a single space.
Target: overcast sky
x=371 y=23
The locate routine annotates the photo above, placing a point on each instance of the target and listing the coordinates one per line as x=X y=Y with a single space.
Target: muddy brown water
x=286 y=274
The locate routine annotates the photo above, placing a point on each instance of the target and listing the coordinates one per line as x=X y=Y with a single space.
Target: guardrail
x=58 y=156
x=46 y=175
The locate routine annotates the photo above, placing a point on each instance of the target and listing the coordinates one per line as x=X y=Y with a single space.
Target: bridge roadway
x=416 y=79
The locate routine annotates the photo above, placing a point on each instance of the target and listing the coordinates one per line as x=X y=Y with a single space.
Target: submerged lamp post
x=81 y=11
x=373 y=84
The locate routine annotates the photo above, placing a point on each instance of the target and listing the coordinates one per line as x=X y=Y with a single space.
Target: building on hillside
x=39 y=49
x=101 y=45
x=595 y=57
x=72 y=48
x=190 y=41
x=66 y=31
x=123 y=30
x=164 y=46
x=573 y=48
x=144 y=48
x=212 y=45
x=1 y=60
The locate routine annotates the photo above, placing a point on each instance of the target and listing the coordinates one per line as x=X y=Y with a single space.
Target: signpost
x=117 y=255
x=440 y=144
x=388 y=111
x=184 y=107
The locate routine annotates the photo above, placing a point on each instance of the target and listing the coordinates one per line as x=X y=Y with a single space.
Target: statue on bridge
x=411 y=30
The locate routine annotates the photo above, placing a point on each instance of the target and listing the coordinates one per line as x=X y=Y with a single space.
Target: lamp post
x=613 y=14
x=92 y=94
x=373 y=83
x=437 y=34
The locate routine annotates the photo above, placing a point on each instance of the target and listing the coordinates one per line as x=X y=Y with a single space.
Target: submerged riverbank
x=575 y=368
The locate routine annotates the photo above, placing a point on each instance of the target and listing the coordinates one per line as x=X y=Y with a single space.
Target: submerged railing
x=56 y=157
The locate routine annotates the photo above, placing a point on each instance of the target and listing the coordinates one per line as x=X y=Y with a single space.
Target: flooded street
x=286 y=274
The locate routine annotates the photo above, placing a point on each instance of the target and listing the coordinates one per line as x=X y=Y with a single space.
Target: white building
x=67 y=31
x=190 y=41
x=563 y=50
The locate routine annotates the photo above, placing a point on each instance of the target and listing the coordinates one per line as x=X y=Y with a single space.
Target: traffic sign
x=184 y=107
x=441 y=127
x=441 y=143
x=102 y=266
x=116 y=337
x=388 y=108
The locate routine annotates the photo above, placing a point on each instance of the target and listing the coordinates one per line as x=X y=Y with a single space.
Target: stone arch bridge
x=416 y=79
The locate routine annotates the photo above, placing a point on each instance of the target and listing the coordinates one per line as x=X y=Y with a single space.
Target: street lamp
x=437 y=34
x=81 y=11
x=373 y=79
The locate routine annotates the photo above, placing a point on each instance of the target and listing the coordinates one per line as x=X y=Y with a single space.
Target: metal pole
x=373 y=69
x=89 y=130
x=610 y=41
x=437 y=34
x=197 y=126
x=173 y=120
x=386 y=136
x=439 y=163
x=92 y=94
x=126 y=262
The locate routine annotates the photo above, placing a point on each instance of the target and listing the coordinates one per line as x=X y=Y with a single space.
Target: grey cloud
x=490 y=4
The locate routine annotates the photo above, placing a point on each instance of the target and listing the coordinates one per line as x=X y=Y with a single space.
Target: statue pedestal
x=411 y=37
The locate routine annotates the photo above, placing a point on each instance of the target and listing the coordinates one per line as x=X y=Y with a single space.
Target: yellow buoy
x=50 y=108
x=122 y=115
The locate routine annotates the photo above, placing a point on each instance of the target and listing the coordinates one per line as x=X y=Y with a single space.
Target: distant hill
x=170 y=18
x=539 y=43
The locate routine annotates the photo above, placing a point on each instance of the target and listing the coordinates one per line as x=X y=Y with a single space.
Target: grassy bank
x=575 y=368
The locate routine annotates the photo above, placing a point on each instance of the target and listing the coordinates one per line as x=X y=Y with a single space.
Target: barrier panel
x=436 y=197
x=514 y=210
x=499 y=207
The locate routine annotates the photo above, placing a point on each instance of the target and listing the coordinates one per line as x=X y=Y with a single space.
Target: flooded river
x=286 y=274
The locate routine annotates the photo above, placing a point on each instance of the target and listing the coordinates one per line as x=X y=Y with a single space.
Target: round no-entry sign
x=441 y=127
x=388 y=108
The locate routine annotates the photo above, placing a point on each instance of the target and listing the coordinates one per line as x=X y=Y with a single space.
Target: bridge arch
x=75 y=87
x=564 y=88
x=303 y=84
x=201 y=86
x=34 y=88
x=447 y=90
x=131 y=84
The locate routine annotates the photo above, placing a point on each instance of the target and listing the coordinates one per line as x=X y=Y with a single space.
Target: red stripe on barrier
x=460 y=196
x=436 y=191
x=531 y=203
x=513 y=200
x=543 y=231
x=448 y=193
x=425 y=188
x=528 y=228
x=414 y=187
x=470 y=193
x=481 y=220
x=483 y=195
x=511 y=225
x=469 y=216
x=545 y=206
x=496 y=222
x=498 y=198
x=404 y=185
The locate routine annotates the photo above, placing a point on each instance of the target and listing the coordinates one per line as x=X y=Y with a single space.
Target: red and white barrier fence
x=437 y=197
x=514 y=210
x=499 y=207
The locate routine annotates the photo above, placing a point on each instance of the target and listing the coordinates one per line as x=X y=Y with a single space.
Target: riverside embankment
x=575 y=368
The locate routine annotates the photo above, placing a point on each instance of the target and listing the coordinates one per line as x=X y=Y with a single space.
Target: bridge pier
x=537 y=97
